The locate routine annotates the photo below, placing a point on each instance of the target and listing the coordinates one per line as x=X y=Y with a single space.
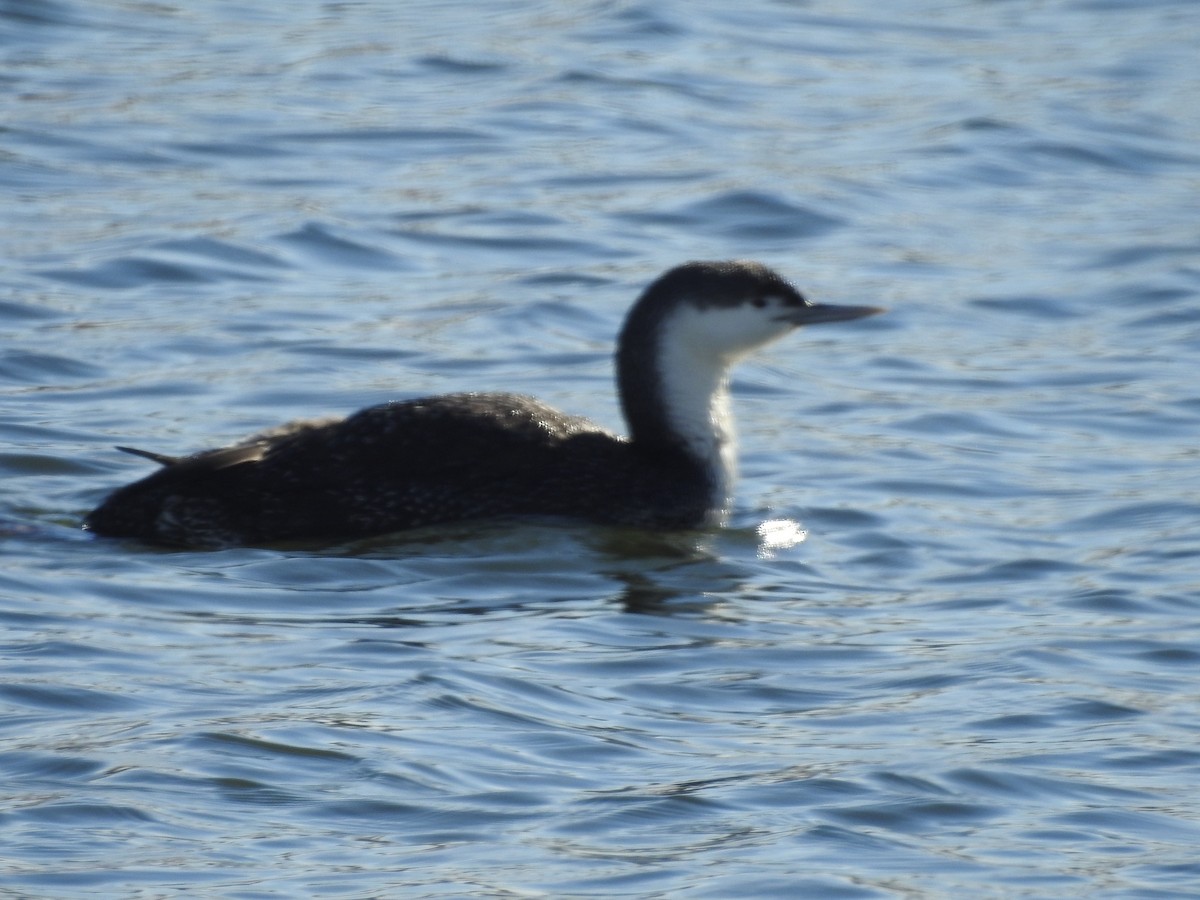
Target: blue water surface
x=977 y=675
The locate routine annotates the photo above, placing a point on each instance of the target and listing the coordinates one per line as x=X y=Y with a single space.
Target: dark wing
x=413 y=463
x=394 y=466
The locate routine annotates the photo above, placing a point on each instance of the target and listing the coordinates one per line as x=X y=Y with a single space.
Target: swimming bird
x=455 y=457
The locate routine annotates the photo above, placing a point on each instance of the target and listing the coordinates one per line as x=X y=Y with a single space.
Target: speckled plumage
x=375 y=472
x=454 y=457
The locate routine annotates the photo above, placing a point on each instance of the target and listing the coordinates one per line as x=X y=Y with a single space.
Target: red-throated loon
x=455 y=457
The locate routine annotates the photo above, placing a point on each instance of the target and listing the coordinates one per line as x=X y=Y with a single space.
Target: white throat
x=695 y=395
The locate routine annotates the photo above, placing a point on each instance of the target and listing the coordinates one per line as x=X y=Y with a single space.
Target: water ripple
x=973 y=677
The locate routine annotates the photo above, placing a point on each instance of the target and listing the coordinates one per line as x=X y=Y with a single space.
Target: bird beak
x=818 y=313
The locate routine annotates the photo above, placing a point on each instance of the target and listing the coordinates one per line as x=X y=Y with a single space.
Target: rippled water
x=976 y=677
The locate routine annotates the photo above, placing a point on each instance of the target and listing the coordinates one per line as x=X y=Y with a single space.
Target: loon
x=465 y=456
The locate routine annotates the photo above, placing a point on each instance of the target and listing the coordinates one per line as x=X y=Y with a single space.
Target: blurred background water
x=978 y=674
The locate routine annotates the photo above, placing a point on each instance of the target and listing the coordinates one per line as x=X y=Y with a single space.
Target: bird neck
x=675 y=396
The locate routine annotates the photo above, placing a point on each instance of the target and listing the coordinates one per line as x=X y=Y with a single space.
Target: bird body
x=455 y=457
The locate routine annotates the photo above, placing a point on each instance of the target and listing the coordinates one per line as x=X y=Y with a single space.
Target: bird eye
x=759 y=301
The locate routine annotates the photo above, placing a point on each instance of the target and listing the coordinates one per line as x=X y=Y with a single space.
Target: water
x=975 y=677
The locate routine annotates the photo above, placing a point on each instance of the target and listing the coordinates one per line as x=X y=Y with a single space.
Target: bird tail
x=161 y=458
